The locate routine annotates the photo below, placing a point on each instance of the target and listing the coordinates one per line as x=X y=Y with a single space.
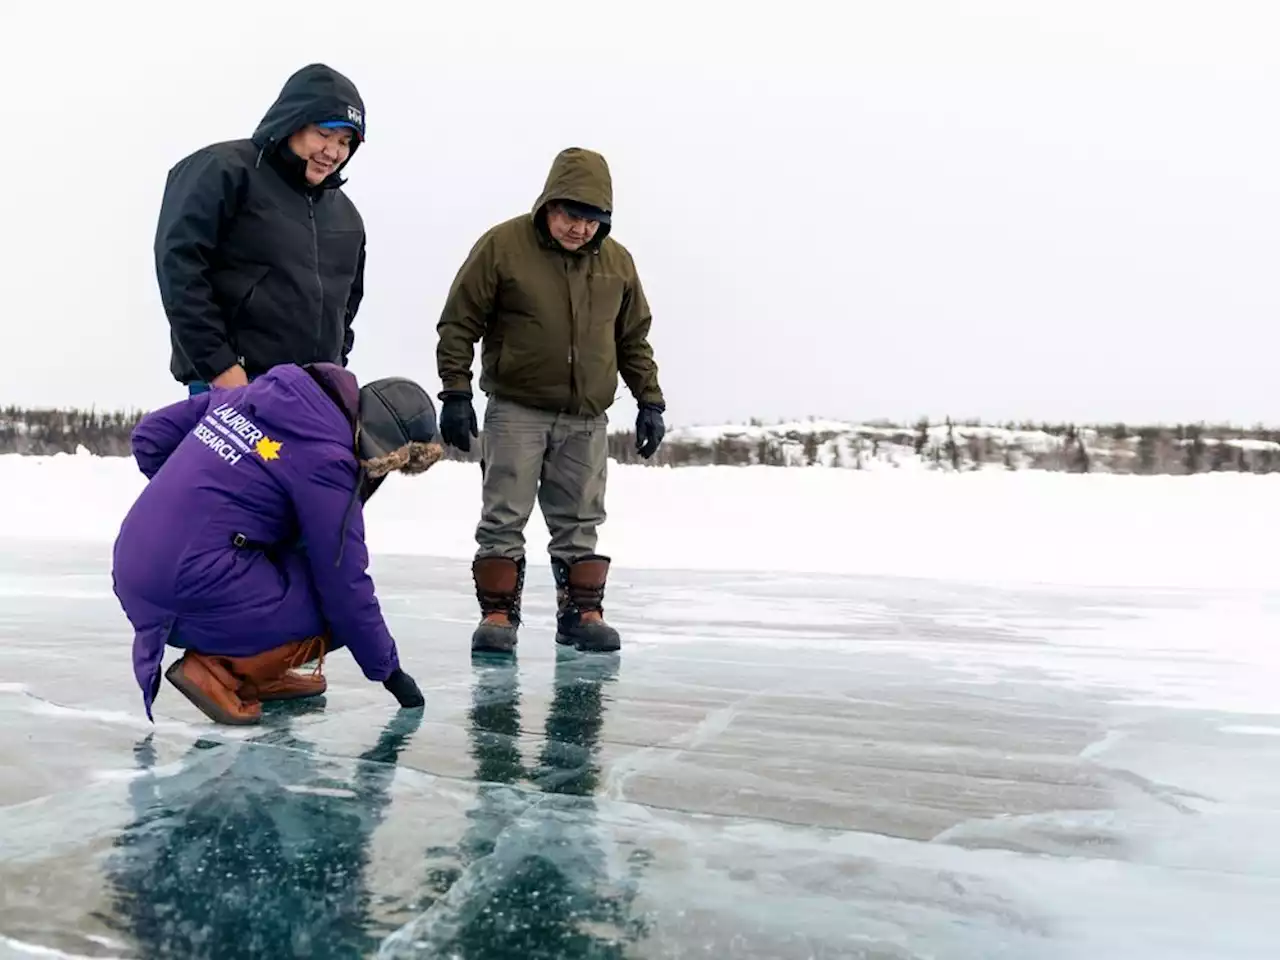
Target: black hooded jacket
x=256 y=266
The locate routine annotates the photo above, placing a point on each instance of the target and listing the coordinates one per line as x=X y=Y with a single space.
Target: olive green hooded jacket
x=556 y=327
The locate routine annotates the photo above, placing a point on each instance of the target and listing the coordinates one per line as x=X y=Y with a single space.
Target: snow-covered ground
x=997 y=526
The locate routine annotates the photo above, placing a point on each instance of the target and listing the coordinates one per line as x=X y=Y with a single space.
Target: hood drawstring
x=346 y=516
x=352 y=417
x=262 y=151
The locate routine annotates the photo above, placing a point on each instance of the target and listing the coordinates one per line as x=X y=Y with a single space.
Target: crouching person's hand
x=401 y=686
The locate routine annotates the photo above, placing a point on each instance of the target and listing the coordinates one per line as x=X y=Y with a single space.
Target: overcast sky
x=997 y=209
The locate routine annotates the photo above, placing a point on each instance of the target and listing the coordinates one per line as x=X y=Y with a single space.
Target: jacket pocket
x=339 y=256
x=523 y=353
x=246 y=302
x=234 y=289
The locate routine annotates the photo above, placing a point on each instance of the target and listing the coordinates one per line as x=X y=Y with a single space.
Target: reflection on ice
x=529 y=878
x=224 y=858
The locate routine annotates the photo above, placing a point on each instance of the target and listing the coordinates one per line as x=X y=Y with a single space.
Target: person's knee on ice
x=291 y=459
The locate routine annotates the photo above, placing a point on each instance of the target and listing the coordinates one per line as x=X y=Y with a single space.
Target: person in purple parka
x=246 y=549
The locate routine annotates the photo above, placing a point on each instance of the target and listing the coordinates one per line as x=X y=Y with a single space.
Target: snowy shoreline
x=995 y=527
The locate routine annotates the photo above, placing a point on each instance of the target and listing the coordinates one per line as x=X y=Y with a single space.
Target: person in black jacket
x=259 y=254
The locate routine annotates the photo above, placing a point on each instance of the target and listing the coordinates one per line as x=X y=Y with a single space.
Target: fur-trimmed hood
x=414 y=457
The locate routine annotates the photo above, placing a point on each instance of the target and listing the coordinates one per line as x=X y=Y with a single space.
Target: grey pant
x=561 y=460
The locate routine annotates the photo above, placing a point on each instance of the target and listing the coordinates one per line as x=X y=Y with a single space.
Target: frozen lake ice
x=776 y=766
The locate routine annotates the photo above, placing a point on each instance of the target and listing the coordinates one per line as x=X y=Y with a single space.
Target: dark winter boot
x=580 y=601
x=499 y=584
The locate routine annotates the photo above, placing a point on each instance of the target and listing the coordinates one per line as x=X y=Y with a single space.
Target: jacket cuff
x=459 y=386
x=221 y=360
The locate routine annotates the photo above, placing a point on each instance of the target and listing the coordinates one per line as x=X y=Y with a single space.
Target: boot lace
x=301 y=654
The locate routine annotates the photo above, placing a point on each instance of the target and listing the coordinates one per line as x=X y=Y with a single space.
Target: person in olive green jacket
x=558 y=308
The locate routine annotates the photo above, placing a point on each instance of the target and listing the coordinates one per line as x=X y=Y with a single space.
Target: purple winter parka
x=274 y=462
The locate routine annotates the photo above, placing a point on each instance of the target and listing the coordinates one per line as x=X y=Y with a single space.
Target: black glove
x=401 y=686
x=458 y=420
x=649 y=429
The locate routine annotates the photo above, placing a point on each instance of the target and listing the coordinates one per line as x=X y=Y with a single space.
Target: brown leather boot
x=499 y=584
x=213 y=688
x=580 y=619
x=270 y=675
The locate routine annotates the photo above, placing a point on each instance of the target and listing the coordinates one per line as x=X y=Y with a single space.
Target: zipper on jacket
x=315 y=259
x=573 y=339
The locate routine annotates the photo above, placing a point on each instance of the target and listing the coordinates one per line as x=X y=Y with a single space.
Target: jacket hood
x=583 y=176
x=393 y=423
x=315 y=94
x=341 y=387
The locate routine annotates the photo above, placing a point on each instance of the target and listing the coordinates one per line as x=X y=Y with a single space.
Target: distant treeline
x=956 y=446
x=43 y=433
